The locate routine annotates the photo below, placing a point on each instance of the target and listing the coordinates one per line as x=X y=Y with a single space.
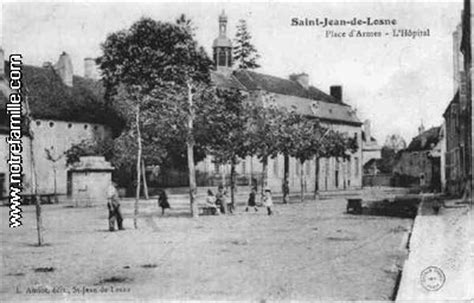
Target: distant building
x=458 y=114
x=441 y=146
x=395 y=143
x=371 y=150
x=419 y=164
x=65 y=109
x=334 y=174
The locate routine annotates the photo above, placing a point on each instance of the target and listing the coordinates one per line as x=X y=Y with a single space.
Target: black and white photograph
x=236 y=151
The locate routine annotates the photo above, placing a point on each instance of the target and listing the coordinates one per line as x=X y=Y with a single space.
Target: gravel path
x=310 y=250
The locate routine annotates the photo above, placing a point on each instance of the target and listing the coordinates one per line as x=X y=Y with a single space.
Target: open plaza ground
x=310 y=250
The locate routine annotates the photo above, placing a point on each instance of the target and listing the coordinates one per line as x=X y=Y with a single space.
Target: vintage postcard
x=214 y=151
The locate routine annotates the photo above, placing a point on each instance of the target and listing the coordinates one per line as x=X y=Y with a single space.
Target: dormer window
x=314 y=107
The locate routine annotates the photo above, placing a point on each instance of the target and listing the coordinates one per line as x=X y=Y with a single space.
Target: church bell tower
x=222 y=46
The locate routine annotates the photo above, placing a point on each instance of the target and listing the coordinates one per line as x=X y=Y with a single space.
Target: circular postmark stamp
x=432 y=278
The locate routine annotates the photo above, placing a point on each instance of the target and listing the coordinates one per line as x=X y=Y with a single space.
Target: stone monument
x=90 y=179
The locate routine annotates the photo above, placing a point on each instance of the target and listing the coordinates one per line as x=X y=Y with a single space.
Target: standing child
x=251 y=201
x=227 y=202
x=268 y=201
x=220 y=198
x=163 y=201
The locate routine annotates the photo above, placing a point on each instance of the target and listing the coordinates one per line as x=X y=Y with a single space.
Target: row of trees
x=158 y=78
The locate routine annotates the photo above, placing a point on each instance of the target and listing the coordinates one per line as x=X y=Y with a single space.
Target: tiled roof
x=226 y=80
x=253 y=81
x=289 y=94
x=425 y=141
x=332 y=112
x=49 y=98
x=222 y=42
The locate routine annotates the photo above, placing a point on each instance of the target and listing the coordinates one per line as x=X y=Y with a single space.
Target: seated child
x=211 y=202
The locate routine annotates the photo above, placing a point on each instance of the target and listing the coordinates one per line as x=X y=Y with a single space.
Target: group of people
x=220 y=201
x=115 y=213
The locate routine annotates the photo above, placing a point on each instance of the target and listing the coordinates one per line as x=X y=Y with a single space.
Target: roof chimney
x=2 y=63
x=302 y=79
x=90 y=71
x=64 y=69
x=367 y=131
x=336 y=92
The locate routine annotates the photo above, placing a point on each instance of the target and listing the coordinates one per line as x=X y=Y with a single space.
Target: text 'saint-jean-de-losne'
x=324 y=22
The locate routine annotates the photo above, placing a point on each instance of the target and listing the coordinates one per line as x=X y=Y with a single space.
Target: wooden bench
x=207 y=211
x=44 y=199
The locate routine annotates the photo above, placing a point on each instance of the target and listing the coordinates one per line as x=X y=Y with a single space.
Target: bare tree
x=39 y=219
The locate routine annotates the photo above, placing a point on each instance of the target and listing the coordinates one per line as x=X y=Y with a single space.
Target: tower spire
x=222 y=46
x=222 y=24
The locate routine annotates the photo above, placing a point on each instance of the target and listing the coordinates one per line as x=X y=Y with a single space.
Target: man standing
x=113 y=205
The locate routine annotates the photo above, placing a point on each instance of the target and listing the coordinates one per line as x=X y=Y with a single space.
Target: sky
x=396 y=82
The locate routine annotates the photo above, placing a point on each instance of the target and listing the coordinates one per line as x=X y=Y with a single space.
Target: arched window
x=222 y=57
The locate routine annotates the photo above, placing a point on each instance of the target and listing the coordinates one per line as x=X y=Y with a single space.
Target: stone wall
x=57 y=137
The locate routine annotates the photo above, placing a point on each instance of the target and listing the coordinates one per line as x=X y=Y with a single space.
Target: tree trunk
x=302 y=180
x=223 y=183
x=139 y=160
x=39 y=218
x=55 y=190
x=232 y=182
x=316 y=182
x=190 y=149
x=286 y=181
x=264 y=176
x=145 y=184
x=251 y=185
